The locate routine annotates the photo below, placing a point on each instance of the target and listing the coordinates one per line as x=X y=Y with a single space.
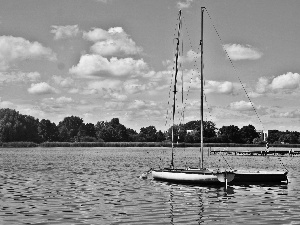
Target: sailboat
x=199 y=175
x=203 y=175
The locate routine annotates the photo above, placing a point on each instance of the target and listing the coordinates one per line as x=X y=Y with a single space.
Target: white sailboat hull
x=185 y=176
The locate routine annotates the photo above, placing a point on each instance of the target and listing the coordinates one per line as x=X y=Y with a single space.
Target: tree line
x=15 y=127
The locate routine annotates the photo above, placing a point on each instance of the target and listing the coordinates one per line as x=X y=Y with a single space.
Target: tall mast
x=201 y=97
x=175 y=83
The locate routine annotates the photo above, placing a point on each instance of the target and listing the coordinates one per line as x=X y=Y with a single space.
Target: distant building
x=264 y=134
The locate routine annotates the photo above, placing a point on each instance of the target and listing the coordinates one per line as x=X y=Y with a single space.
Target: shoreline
x=138 y=144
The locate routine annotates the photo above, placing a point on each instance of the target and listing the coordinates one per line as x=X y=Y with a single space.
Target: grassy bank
x=133 y=144
x=18 y=144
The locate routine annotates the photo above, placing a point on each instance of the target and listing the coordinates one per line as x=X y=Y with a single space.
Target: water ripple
x=102 y=186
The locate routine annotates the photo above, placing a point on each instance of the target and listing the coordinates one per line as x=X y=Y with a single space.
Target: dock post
x=225 y=180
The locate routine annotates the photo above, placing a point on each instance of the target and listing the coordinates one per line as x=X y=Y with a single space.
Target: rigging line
x=235 y=70
x=195 y=65
x=170 y=88
x=209 y=109
x=226 y=162
x=189 y=86
x=175 y=83
x=181 y=119
x=283 y=164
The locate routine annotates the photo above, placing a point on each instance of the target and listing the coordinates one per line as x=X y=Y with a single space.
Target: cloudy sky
x=101 y=59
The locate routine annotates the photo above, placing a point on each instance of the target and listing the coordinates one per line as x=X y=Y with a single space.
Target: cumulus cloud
x=111 y=105
x=13 y=77
x=224 y=87
x=184 y=4
x=190 y=56
x=64 y=32
x=116 y=96
x=114 y=42
x=142 y=105
x=159 y=76
x=29 y=110
x=107 y=88
x=6 y=104
x=32 y=76
x=97 y=34
x=241 y=106
x=217 y=87
x=41 y=88
x=14 y=49
x=64 y=100
x=97 y=65
x=253 y=94
x=56 y=104
x=63 y=82
x=106 y=84
x=59 y=100
x=262 y=85
x=291 y=114
x=134 y=86
x=115 y=47
x=240 y=52
x=137 y=104
x=285 y=82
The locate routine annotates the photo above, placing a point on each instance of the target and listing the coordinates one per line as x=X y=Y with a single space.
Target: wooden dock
x=249 y=152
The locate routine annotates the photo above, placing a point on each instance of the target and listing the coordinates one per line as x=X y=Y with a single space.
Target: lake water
x=103 y=186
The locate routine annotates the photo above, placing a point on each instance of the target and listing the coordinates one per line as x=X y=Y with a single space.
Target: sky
x=104 y=59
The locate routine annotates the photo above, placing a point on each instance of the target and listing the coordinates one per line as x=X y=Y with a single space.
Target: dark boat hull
x=259 y=177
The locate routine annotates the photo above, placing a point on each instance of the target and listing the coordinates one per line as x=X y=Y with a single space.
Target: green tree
x=120 y=129
x=90 y=130
x=148 y=133
x=248 y=133
x=209 y=128
x=81 y=131
x=63 y=134
x=230 y=134
x=105 y=131
x=179 y=133
x=289 y=137
x=193 y=137
x=132 y=135
x=112 y=131
x=17 y=127
x=69 y=128
x=47 y=131
x=86 y=133
x=273 y=136
x=160 y=136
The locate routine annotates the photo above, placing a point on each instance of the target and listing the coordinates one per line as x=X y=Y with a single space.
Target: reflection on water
x=102 y=186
